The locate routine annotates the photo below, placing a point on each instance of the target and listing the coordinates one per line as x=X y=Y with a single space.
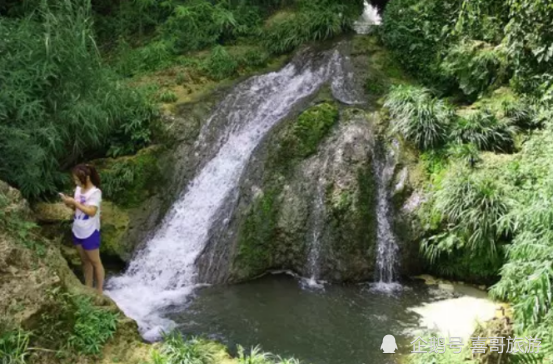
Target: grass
x=14 y=346
x=482 y=129
x=177 y=349
x=93 y=327
x=418 y=116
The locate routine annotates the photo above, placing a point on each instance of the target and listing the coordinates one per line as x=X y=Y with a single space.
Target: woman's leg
x=87 y=265
x=94 y=257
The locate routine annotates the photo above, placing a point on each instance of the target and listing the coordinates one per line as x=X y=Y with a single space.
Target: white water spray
x=318 y=220
x=387 y=247
x=370 y=17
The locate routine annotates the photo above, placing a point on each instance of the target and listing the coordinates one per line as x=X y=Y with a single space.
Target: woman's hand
x=68 y=201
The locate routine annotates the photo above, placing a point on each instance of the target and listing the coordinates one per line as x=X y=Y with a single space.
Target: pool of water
x=340 y=324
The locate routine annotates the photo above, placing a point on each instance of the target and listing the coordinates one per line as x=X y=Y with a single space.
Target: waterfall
x=164 y=272
x=370 y=17
x=318 y=219
x=387 y=247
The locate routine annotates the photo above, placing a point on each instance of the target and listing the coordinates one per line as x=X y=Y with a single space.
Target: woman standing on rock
x=86 y=223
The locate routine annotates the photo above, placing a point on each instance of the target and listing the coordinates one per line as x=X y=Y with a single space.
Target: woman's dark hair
x=82 y=171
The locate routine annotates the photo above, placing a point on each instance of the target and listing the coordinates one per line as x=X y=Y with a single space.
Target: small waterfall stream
x=318 y=220
x=164 y=272
x=370 y=17
x=387 y=247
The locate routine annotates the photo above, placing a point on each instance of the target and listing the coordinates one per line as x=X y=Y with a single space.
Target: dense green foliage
x=414 y=31
x=58 y=102
x=418 y=116
x=488 y=219
x=61 y=103
x=176 y=349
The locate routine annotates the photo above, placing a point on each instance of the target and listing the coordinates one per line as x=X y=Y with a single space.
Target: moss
x=354 y=224
x=375 y=86
x=379 y=59
x=303 y=137
x=128 y=181
x=312 y=126
x=115 y=222
x=365 y=44
x=256 y=236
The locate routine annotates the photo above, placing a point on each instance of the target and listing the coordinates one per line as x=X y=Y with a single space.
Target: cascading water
x=387 y=247
x=318 y=219
x=164 y=272
x=370 y=17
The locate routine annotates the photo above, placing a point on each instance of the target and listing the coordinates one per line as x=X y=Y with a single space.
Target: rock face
x=311 y=212
x=37 y=288
x=308 y=197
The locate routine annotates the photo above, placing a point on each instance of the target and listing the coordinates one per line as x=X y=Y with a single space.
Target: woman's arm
x=71 y=202
x=89 y=210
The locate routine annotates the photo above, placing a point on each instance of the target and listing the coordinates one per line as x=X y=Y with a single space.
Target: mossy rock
x=115 y=222
x=256 y=237
x=312 y=125
x=301 y=138
x=130 y=180
x=40 y=294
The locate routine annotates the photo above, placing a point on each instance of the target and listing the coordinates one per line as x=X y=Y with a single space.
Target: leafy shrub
x=469 y=241
x=475 y=66
x=136 y=122
x=197 y=24
x=220 y=64
x=150 y=57
x=418 y=116
x=256 y=356
x=313 y=20
x=482 y=20
x=527 y=276
x=472 y=204
x=62 y=103
x=74 y=325
x=175 y=349
x=467 y=153
x=528 y=39
x=254 y=57
x=178 y=350
x=93 y=327
x=129 y=180
x=414 y=30
x=485 y=131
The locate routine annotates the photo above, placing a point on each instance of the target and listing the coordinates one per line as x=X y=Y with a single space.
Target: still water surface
x=341 y=324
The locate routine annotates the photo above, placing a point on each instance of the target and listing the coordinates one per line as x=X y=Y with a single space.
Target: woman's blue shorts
x=90 y=243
